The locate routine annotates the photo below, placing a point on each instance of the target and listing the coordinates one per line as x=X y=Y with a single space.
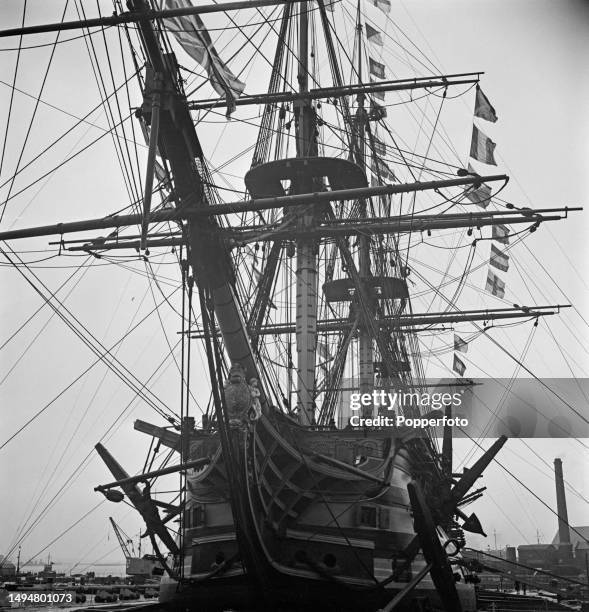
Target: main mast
x=366 y=357
x=307 y=249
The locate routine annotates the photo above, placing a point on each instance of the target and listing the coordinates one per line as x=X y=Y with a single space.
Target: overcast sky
x=534 y=55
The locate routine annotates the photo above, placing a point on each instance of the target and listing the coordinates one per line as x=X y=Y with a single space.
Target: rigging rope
x=12 y=92
x=37 y=100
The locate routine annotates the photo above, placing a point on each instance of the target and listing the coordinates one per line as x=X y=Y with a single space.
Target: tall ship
x=310 y=455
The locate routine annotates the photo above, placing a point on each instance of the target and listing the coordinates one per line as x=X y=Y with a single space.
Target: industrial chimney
x=564 y=533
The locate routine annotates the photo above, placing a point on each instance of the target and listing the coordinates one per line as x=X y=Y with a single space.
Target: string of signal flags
x=482 y=149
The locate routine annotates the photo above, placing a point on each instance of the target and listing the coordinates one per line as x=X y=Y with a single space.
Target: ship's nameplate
x=379 y=288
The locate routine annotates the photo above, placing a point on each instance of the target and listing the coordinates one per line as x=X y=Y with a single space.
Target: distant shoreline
x=101 y=568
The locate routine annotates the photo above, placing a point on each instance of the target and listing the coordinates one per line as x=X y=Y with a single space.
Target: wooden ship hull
x=329 y=515
x=317 y=518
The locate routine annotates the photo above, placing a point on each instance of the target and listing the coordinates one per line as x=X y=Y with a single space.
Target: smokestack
x=564 y=534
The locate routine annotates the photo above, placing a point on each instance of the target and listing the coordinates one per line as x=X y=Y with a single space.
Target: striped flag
x=481 y=196
x=383 y=5
x=376 y=68
x=499 y=259
x=377 y=94
x=495 y=285
x=460 y=345
x=483 y=108
x=482 y=147
x=191 y=34
x=501 y=233
x=380 y=148
x=379 y=168
x=458 y=366
x=373 y=35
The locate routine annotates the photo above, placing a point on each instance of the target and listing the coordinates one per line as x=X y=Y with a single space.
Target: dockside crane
x=139 y=568
x=125 y=541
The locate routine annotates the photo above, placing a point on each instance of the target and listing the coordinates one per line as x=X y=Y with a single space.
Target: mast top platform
x=266 y=179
